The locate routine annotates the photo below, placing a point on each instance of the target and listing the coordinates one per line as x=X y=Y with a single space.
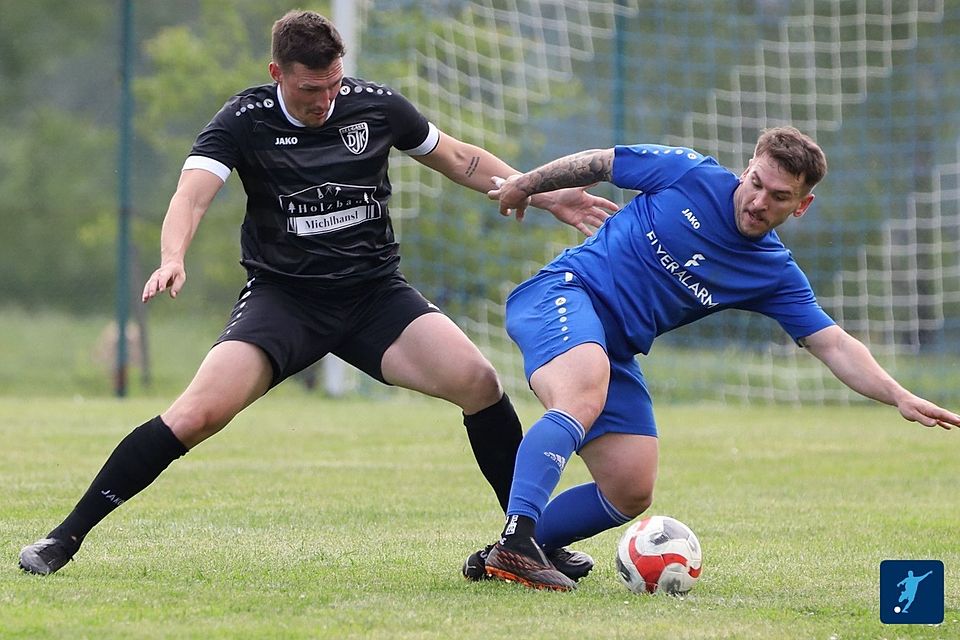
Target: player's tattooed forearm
x=577 y=170
x=474 y=162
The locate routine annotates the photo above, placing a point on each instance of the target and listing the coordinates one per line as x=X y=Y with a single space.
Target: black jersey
x=316 y=197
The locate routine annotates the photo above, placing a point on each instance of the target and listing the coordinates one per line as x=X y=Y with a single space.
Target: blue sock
x=543 y=454
x=575 y=514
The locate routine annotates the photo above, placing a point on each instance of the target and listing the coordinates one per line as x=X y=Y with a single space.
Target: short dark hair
x=795 y=152
x=305 y=37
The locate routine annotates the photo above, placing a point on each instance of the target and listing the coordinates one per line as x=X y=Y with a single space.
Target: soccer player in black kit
x=312 y=151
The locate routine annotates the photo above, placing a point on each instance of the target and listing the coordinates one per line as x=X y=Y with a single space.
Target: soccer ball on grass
x=659 y=554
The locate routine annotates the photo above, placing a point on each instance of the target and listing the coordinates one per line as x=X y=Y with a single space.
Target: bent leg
x=576 y=514
x=433 y=356
x=621 y=452
x=231 y=376
x=562 y=340
x=575 y=382
x=572 y=387
x=624 y=466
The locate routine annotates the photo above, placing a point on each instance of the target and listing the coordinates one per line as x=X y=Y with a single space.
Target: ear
x=749 y=164
x=804 y=203
x=275 y=72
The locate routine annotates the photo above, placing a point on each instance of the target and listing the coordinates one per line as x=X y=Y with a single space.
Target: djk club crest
x=355 y=137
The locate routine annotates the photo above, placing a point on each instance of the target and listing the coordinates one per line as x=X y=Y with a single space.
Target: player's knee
x=478 y=386
x=633 y=501
x=585 y=407
x=193 y=423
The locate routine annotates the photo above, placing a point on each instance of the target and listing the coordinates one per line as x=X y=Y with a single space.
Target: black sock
x=136 y=462
x=495 y=435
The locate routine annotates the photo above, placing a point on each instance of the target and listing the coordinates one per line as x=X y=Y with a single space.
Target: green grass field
x=312 y=518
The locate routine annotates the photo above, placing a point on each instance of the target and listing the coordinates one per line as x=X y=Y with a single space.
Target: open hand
x=917 y=409
x=170 y=276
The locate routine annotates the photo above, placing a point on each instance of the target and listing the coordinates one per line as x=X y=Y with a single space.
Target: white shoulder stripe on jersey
x=218 y=169
x=428 y=145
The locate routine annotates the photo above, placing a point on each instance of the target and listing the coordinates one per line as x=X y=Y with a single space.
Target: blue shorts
x=550 y=314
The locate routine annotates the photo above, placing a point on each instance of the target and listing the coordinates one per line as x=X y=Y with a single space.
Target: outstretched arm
x=195 y=192
x=478 y=169
x=853 y=364
x=578 y=170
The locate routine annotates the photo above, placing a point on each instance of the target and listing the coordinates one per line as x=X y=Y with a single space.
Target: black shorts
x=296 y=324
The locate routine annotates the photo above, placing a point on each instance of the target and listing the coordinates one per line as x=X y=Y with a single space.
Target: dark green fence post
x=123 y=188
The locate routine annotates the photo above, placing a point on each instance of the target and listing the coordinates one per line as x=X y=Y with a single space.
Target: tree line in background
x=59 y=64
x=58 y=165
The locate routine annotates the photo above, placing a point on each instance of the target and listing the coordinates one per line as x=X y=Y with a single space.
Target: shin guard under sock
x=136 y=462
x=543 y=454
x=495 y=435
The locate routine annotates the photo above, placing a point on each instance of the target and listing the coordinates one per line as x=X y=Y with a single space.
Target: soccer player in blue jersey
x=311 y=149
x=696 y=240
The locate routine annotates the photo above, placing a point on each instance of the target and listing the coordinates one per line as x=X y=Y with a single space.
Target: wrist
x=901 y=395
x=541 y=200
x=170 y=260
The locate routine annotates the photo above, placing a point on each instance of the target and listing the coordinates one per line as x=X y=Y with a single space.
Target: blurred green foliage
x=59 y=66
x=59 y=95
x=58 y=170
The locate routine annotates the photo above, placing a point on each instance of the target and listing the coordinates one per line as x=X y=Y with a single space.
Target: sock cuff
x=614 y=513
x=570 y=424
x=165 y=438
x=494 y=411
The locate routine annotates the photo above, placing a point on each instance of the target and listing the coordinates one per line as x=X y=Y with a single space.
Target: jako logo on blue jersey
x=691 y=217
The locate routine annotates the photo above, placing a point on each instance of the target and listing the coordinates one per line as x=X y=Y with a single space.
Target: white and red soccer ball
x=659 y=554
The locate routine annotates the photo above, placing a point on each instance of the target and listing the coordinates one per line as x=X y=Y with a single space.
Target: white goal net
x=874 y=81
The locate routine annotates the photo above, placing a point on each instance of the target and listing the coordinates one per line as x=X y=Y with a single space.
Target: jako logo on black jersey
x=286 y=141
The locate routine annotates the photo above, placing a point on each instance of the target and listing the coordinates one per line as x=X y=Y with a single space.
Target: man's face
x=308 y=93
x=766 y=197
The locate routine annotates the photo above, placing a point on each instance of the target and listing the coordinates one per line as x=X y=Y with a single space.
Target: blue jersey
x=674 y=255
